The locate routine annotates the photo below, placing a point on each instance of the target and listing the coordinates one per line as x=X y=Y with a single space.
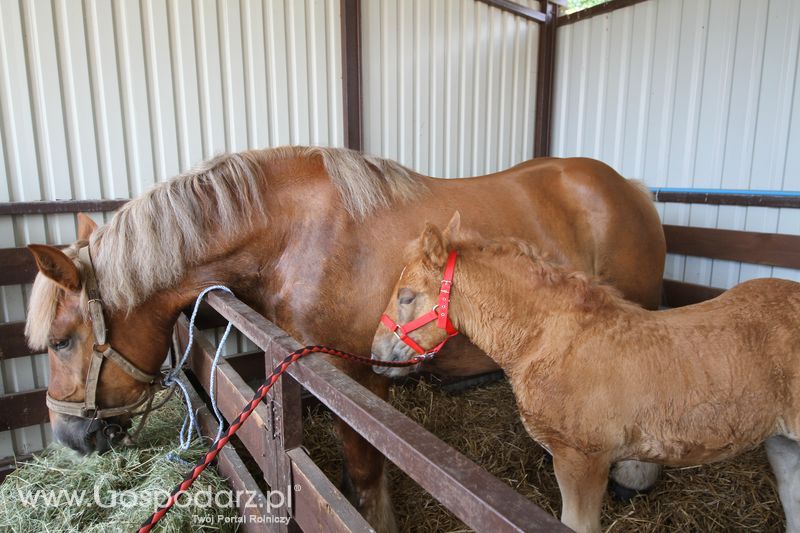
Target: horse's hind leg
x=629 y=478
x=784 y=457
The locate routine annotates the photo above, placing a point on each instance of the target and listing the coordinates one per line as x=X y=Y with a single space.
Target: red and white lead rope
x=217 y=446
x=439 y=315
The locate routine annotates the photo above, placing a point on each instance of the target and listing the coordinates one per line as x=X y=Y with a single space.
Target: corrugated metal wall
x=449 y=85
x=100 y=99
x=103 y=98
x=690 y=93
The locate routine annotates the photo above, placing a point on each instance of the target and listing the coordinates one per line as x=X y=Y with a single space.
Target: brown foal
x=599 y=379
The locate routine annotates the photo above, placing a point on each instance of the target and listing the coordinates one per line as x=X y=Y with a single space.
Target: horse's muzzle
x=388 y=348
x=394 y=353
x=87 y=435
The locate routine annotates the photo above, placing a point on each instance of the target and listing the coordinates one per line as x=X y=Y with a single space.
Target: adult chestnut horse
x=313 y=239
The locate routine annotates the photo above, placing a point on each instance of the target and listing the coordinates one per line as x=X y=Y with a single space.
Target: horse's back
x=762 y=298
x=614 y=216
x=753 y=327
x=772 y=304
x=769 y=304
x=706 y=381
x=580 y=210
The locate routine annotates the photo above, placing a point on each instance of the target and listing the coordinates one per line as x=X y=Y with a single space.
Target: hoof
x=621 y=493
x=630 y=478
x=374 y=503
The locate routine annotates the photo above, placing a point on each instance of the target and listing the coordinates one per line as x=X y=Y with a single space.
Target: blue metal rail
x=740 y=197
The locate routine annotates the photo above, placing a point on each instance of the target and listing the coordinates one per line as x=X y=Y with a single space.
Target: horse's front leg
x=582 y=480
x=364 y=477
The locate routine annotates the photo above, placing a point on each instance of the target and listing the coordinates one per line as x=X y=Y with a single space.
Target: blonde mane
x=583 y=290
x=152 y=240
x=364 y=182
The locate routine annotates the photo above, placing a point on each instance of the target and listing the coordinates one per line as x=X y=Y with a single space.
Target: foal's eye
x=59 y=344
x=405 y=296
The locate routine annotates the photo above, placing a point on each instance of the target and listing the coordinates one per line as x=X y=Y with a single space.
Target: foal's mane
x=152 y=240
x=579 y=289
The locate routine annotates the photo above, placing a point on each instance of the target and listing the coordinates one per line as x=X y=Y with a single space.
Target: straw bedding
x=483 y=424
x=120 y=472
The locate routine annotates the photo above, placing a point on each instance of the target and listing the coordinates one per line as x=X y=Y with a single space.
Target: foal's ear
x=55 y=265
x=453 y=227
x=433 y=245
x=85 y=226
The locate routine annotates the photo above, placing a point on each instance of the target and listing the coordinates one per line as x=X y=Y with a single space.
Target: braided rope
x=190 y=422
x=219 y=443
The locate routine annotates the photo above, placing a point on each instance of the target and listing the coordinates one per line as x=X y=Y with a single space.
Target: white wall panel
x=689 y=93
x=104 y=98
x=448 y=85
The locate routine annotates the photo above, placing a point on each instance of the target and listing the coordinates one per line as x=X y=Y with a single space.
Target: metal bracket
x=275 y=419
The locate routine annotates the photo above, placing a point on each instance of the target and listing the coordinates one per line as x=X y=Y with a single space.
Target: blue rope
x=190 y=422
x=732 y=192
x=212 y=387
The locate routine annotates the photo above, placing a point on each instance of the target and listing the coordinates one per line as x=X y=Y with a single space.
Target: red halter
x=439 y=313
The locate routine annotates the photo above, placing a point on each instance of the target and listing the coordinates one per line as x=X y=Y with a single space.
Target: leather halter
x=439 y=313
x=100 y=352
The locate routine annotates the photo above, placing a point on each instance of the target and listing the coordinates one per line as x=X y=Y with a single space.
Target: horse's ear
x=433 y=245
x=85 y=226
x=55 y=265
x=453 y=227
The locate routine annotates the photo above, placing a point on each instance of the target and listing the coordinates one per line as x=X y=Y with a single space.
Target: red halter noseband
x=439 y=313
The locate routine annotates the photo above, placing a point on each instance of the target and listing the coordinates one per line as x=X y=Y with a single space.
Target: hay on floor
x=124 y=474
x=483 y=424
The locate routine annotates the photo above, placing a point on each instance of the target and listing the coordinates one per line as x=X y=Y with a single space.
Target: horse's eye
x=405 y=296
x=59 y=344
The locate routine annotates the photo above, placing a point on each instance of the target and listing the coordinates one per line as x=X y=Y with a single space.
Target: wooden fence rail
x=476 y=497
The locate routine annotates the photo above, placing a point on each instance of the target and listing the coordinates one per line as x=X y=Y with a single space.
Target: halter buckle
x=395 y=331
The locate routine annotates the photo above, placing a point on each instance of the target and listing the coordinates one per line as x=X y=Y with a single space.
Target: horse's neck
x=279 y=269
x=510 y=316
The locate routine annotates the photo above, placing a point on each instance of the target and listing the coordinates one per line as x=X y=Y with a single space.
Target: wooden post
x=284 y=433
x=545 y=80
x=350 y=11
